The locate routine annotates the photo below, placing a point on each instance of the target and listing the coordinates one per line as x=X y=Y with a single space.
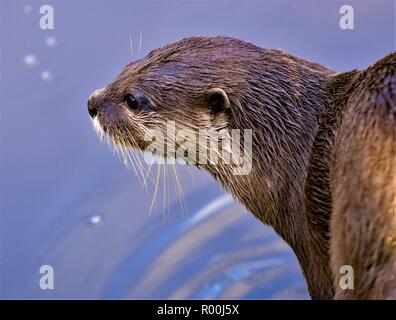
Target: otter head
x=187 y=82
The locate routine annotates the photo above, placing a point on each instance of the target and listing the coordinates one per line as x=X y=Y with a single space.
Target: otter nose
x=92 y=109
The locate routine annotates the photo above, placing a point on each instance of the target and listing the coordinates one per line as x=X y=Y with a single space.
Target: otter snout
x=92 y=103
x=91 y=108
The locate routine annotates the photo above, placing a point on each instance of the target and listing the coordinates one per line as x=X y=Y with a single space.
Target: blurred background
x=68 y=201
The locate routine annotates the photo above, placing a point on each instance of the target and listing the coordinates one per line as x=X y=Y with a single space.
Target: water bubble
x=96 y=220
x=50 y=42
x=30 y=61
x=27 y=9
x=47 y=76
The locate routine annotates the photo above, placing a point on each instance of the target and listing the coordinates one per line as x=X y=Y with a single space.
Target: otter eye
x=131 y=101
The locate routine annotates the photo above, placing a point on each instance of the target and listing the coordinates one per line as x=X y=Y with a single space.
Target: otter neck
x=274 y=190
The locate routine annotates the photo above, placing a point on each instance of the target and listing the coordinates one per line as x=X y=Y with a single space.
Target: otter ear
x=217 y=100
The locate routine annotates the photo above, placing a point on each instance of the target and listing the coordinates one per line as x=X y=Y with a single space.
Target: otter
x=323 y=146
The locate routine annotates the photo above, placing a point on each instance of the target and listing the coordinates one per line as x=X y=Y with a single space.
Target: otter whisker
x=135 y=165
x=140 y=42
x=123 y=155
x=148 y=174
x=164 y=196
x=155 y=188
x=130 y=45
x=115 y=150
x=178 y=188
x=135 y=157
x=120 y=145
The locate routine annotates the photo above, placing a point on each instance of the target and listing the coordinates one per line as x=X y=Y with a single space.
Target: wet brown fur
x=324 y=145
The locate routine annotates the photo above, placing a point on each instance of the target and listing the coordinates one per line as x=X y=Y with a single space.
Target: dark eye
x=131 y=101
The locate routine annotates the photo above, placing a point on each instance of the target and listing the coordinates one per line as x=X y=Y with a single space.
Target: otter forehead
x=196 y=47
x=192 y=53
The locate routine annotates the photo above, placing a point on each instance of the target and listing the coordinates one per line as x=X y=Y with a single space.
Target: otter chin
x=322 y=147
